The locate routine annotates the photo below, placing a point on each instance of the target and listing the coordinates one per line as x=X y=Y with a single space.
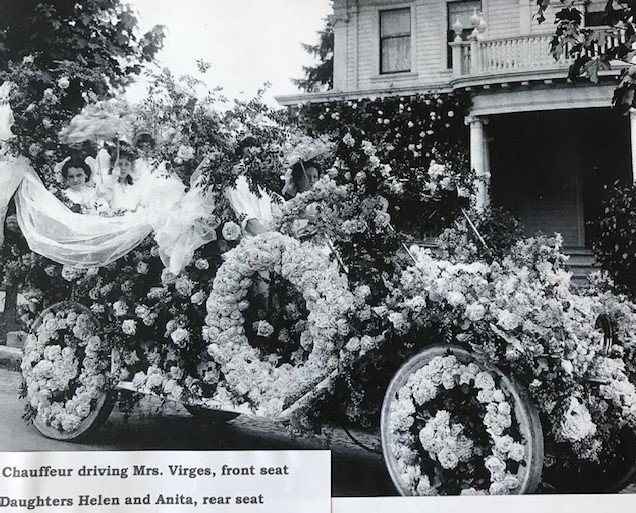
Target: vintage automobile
x=435 y=393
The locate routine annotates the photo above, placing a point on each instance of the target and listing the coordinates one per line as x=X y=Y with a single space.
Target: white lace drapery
x=179 y=222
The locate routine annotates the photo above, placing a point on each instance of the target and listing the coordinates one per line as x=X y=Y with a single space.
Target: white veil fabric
x=54 y=231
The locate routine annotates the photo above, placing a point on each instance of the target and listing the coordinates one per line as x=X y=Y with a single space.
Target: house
x=546 y=145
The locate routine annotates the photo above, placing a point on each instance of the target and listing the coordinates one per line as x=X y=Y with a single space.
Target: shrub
x=615 y=244
x=496 y=226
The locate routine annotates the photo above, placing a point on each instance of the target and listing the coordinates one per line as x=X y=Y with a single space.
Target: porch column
x=632 y=133
x=479 y=161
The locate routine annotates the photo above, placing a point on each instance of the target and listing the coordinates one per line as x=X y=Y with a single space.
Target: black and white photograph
x=400 y=231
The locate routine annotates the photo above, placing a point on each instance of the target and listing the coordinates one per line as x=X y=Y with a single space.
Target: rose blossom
x=475 y=312
x=508 y=320
x=184 y=286
x=349 y=140
x=494 y=464
x=198 y=298
x=577 y=422
x=231 y=231
x=202 y=264
x=120 y=308
x=129 y=327
x=185 y=152
x=484 y=381
x=179 y=336
x=447 y=459
x=382 y=219
x=63 y=83
x=517 y=452
x=264 y=329
x=139 y=380
x=456 y=298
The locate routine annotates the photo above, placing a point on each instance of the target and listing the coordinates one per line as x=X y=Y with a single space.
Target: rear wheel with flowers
x=66 y=367
x=454 y=424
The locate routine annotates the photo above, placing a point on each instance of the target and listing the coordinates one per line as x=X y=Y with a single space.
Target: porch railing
x=513 y=54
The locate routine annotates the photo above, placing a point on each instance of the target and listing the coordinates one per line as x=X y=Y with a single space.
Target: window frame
x=410 y=35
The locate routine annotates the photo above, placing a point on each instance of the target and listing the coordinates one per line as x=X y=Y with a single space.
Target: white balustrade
x=516 y=54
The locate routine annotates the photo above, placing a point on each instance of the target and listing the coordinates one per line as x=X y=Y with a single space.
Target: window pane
x=395 y=22
x=396 y=54
x=463 y=10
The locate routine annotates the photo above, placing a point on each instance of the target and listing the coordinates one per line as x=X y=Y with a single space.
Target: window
x=463 y=10
x=595 y=14
x=395 y=40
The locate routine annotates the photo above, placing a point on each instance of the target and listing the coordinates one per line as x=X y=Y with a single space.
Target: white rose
x=185 y=152
x=120 y=308
x=484 y=381
x=63 y=83
x=129 y=327
x=179 y=335
x=264 y=329
x=456 y=298
x=517 y=452
x=197 y=298
x=475 y=312
x=231 y=231
x=508 y=320
x=202 y=264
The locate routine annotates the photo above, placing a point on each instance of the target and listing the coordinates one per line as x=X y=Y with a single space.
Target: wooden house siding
x=428 y=46
x=360 y=63
x=503 y=17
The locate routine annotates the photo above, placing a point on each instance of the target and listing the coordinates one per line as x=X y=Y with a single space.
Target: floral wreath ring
x=439 y=443
x=66 y=367
x=247 y=376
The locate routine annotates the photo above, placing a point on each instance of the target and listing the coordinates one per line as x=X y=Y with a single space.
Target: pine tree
x=319 y=76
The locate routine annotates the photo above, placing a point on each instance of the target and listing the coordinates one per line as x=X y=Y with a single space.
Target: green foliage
x=319 y=76
x=409 y=132
x=60 y=55
x=615 y=246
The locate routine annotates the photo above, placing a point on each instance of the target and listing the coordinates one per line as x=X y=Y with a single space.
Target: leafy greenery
x=61 y=54
x=587 y=45
x=615 y=246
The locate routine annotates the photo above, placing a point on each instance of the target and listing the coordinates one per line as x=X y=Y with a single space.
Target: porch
x=550 y=168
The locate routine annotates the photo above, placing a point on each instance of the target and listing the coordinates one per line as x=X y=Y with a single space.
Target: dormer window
x=395 y=40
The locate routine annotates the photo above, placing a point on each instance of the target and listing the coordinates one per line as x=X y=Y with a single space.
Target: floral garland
x=64 y=367
x=246 y=375
x=420 y=450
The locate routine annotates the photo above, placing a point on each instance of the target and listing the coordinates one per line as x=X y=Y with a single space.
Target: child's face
x=126 y=167
x=144 y=145
x=76 y=178
x=308 y=179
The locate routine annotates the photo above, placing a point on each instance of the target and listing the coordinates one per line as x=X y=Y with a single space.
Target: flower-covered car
x=485 y=374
